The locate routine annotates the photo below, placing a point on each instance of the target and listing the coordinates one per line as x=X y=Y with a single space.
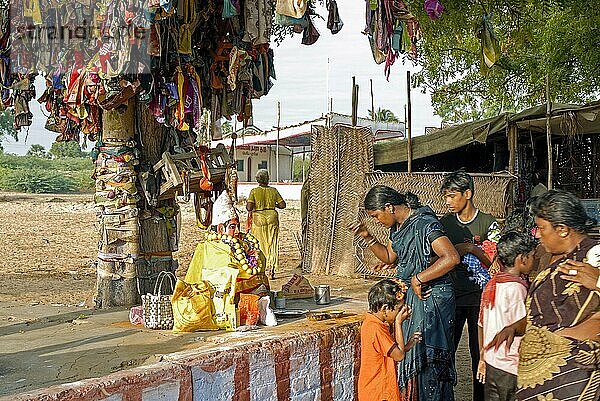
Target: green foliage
x=36 y=181
x=553 y=38
x=383 y=115
x=33 y=174
x=38 y=151
x=66 y=149
x=298 y=168
x=6 y=127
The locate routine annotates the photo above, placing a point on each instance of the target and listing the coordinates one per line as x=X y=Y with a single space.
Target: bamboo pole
x=408 y=128
x=549 y=131
x=354 y=101
x=372 y=101
x=512 y=148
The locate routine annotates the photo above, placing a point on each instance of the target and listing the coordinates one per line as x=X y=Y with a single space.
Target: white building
x=251 y=158
x=257 y=149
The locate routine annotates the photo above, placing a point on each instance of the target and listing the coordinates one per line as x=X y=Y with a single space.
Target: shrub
x=59 y=175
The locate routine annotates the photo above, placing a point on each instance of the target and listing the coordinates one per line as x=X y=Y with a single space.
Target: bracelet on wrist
x=418 y=279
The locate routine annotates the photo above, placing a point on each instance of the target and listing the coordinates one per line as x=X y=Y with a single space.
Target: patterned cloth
x=429 y=365
x=479 y=274
x=552 y=367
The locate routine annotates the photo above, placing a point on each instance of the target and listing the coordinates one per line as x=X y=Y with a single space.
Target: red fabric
x=488 y=296
x=490 y=249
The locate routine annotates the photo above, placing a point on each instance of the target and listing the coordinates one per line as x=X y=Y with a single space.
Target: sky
x=305 y=80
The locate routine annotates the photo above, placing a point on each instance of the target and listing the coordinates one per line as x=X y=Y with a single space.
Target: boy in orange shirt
x=382 y=342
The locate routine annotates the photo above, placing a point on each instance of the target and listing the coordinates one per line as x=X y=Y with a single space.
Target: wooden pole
x=372 y=101
x=327 y=86
x=277 y=150
x=292 y=166
x=303 y=161
x=270 y=164
x=409 y=126
x=354 y=101
x=512 y=148
x=549 y=131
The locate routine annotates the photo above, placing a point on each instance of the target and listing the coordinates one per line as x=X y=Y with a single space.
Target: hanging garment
x=311 y=34
x=237 y=57
x=292 y=8
x=334 y=22
x=378 y=55
x=397 y=38
x=434 y=9
x=179 y=79
x=490 y=48
x=297 y=24
x=258 y=15
x=400 y=10
x=229 y=10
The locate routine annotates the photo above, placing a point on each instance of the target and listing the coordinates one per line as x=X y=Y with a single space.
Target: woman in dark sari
x=416 y=239
x=559 y=356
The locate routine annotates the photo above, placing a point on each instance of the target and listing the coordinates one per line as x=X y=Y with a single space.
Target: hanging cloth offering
x=490 y=48
x=310 y=35
x=334 y=22
x=291 y=8
x=434 y=9
x=378 y=55
x=229 y=10
x=180 y=107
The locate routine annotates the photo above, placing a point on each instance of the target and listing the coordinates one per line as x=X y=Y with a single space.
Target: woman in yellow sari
x=262 y=203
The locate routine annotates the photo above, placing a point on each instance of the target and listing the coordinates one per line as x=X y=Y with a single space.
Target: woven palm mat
x=341 y=155
x=492 y=195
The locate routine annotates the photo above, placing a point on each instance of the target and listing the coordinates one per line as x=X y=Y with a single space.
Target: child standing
x=502 y=304
x=382 y=342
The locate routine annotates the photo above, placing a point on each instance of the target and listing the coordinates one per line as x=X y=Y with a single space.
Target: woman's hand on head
x=581 y=273
x=358 y=229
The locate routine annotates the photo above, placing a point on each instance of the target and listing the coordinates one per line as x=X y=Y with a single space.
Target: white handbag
x=158 y=312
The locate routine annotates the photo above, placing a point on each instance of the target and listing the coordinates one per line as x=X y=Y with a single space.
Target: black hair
x=383 y=293
x=458 y=180
x=520 y=219
x=380 y=195
x=513 y=244
x=562 y=207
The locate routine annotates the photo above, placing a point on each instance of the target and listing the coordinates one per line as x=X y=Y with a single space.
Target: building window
x=240 y=165
x=262 y=164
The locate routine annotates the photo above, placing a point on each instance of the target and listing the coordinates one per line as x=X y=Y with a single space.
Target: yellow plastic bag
x=193 y=307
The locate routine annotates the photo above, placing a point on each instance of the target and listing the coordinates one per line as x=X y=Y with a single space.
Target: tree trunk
x=136 y=241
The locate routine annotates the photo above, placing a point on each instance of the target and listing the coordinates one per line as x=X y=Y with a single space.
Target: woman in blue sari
x=423 y=256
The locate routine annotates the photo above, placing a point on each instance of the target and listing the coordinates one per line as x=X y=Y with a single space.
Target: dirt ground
x=48 y=249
